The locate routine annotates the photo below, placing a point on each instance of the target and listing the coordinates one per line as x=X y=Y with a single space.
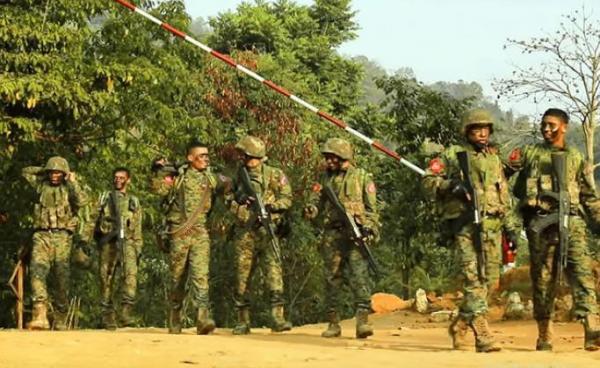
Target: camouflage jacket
x=56 y=206
x=534 y=167
x=187 y=191
x=487 y=175
x=357 y=193
x=274 y=187
x=131 y=214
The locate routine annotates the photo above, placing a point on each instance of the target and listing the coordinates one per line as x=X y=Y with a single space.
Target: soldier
x=189 y=191
x=445 y=183
x=59 y=196
x=119 y=235
x=252 y=241
x=343 y=259
x=535 y=178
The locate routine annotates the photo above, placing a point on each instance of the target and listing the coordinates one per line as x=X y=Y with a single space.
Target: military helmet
x=477 y=117
x=252 y=146
x=339 y=147
x=57 y=163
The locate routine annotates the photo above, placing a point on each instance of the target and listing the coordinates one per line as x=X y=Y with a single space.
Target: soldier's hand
x=71 y=177
x=514 y=239
x=459 y=190
x=311 y=211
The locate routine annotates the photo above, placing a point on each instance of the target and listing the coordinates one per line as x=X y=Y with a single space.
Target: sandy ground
x=401 y=339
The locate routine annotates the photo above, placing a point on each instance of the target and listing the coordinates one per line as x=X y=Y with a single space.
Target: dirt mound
x=386 y=303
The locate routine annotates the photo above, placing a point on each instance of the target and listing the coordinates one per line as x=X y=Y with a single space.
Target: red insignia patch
x=316 y=187
x=515 y=155
x=371 y=188
x=436 y=166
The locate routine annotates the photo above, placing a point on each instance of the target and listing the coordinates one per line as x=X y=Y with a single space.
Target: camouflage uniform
x=344 y=262
x=111 y=255
x=535 y=176
x=54 y=222
x=488 y=179
x=188 y=200
x=252 y=242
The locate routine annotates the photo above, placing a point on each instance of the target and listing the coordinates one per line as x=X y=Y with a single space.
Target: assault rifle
x=262 y=215
x=355 y=232
x=560 y=217
x=118 y=232
x=473 y=198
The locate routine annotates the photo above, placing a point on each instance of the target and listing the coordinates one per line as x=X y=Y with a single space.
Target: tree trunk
x=588 y=131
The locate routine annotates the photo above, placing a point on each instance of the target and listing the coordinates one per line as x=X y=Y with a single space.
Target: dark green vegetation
x=104 y=88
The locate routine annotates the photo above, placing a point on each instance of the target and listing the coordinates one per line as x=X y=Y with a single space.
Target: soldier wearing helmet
x=251 y=239
x=356 y=191
x=445 y=184
x=59 y=196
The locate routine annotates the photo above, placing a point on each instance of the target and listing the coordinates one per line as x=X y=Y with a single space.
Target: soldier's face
x=198 y=158
x=120 y=180
x=56 y=177
x=251 y=162
x=332 y=162
x=479 y=135
x=553 y=129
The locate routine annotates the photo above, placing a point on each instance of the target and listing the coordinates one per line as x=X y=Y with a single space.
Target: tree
x=569 y=74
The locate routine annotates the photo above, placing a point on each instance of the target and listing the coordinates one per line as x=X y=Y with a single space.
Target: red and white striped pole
x=226 y=59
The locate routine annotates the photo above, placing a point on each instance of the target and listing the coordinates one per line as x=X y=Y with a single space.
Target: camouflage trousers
x=51 y=250
x=344 y=264
x=578 y=272
x=111 y=257
x=252 y=247
x=189 y=262
x=476 y=291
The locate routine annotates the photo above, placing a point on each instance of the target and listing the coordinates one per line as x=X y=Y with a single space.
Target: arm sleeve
x=588 y=195
x=370 y=201
x=283 y=194
x=32 y=174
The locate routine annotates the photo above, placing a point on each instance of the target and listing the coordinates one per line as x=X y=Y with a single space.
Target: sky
x=445 y=40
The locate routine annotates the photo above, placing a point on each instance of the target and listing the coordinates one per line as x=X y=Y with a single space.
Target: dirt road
x=401 y=339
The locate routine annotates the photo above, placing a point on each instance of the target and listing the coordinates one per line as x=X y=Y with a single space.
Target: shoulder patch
x=371 y=188
x=436 y=166
x=515 y=155
x=316 y=188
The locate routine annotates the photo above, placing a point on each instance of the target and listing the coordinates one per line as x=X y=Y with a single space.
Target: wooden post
x=20 y=277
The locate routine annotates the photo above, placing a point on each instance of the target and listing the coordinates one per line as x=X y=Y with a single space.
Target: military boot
x=243 y=325
x=484 y=341
x=60 y=321
x=109 y=321
x=175 y=321
x=592 y=332
x=334 y=329
x=39 y=320
x=363 y=328
x=457 y=331
x=279 y=322
x=127 y=319
x=204 y=324
x=545 y=332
